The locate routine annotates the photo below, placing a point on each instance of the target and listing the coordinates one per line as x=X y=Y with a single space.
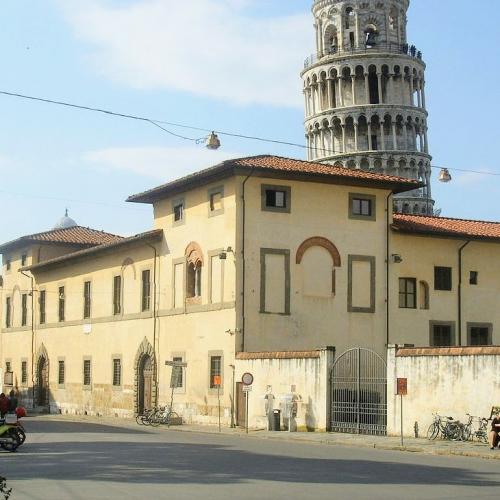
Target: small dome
x=65 y=222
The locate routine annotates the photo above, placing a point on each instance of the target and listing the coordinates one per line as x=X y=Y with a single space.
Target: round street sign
x=247 y=379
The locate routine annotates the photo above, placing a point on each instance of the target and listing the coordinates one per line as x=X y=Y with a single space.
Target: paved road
x=64 y=460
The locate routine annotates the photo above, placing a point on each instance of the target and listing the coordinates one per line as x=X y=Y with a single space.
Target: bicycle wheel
x=432 y=431
x=482 y=437
x=466 y=433
x=21 y=435
x=155 y=419
x=172 y=416
x=139 y=418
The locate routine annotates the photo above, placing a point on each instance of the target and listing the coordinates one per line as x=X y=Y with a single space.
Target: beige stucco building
x=261 y=264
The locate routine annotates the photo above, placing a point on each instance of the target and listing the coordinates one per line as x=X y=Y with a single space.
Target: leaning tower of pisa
x=364 y=94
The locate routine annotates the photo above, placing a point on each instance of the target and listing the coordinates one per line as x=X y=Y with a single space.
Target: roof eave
x=150 y=236
x=445 y=234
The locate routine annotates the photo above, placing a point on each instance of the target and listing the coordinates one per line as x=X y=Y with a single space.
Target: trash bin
x=276 y=420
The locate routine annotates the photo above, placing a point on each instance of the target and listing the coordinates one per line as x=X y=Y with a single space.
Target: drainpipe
x=32 y=335
x=387 y=275
x=155 y=368
x=460 y=250
x=243 y=260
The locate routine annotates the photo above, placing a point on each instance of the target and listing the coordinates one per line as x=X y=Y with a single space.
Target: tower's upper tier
x=353 y=25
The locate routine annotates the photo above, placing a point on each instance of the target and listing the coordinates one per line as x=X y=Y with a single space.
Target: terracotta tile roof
x=154 y=235
x=278 y=355
x=448 y=351
x=277 y=166
x=444 y=226
x=78 y=236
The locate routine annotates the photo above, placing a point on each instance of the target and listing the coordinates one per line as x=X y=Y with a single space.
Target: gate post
x=326 y=360
x=358 y=389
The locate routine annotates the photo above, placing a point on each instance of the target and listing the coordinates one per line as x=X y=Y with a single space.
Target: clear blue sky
x=224 y=64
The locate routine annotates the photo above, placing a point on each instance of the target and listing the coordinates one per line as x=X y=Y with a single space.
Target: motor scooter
x=9 y=436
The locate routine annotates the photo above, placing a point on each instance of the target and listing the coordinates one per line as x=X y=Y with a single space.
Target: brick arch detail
x=194 y=253
x=145 y=349
x=319 y=241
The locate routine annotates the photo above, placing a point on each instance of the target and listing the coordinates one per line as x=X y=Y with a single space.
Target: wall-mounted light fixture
x=396 y=258
x=223 y=254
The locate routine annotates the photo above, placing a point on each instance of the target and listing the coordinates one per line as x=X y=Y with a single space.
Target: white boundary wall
x=450 y=381
x=305 y=375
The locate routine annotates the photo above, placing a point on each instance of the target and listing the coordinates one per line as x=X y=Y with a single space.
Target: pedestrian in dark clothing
x=4 y=404
x=12 y=401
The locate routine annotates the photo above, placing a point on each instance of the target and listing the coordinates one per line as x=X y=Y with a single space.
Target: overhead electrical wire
x=159 y=123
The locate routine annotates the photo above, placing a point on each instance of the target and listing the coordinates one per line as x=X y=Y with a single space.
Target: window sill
x=193 y=301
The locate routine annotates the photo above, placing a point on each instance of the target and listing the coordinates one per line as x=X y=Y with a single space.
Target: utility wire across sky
x=159 y=123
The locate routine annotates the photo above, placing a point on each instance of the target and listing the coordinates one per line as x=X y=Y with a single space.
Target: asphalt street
x=64 y=460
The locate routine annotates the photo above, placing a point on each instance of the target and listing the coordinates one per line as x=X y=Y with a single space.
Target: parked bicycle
x=447 y=427
x=469 y=432
x=158 y=416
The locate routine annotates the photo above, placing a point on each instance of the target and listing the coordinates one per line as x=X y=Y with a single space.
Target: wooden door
x=145 y=384
x=240 y=405
x=42 y=382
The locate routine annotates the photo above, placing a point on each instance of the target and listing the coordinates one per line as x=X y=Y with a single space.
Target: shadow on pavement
x=35 y=426
x=183 y=463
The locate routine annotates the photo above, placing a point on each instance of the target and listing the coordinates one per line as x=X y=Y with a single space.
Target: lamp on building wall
x=223 y=254
x=396 y=258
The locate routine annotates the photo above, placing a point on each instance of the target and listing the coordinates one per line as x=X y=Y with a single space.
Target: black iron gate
x=359 y=393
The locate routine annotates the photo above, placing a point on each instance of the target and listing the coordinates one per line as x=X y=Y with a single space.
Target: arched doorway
x=145 y=384
x=42 y=382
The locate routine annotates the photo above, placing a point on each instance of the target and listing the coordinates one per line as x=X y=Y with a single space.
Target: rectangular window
x=473 y=278
x=24 y=259
x=24 y=372
x=215 y=371
x=362 y=207
x=177 y=374
x=361 y=278
x=8 y=264
x=117 y=295
x=8 y=307
x=8 y=366
x=479 y=334
x=276 y=198
x=41 y=300
x=62 y=303
x=146 y=290
x=87 y=300
x=24 y=309
x=61 y=374
x=178 y=207
x=442 y=336
x=117 y=372
x=407 y=293
x=86 y=372
x=215 y=202
x=442 y=278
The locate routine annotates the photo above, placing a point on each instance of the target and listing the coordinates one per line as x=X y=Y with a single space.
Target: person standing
x=495 y=431
x=4 y=404
x=13 y=402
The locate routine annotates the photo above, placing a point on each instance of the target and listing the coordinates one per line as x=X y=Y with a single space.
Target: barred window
x=117 y=295
x=86 y=300
x=215 y=370
x=442 y=278
x=86 y=372
x=179 y=375
x=24 y=372
x=117 y=372
x=62 y=373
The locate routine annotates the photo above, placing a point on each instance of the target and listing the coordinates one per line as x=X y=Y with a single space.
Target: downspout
x=155 y=367
x=32 y=335
x=387 y=276
x=460 y=250
x=243 y=260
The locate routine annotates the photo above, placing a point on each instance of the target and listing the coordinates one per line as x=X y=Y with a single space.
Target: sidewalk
x=438 y=447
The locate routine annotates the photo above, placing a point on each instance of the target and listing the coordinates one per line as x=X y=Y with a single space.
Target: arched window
x=194 y=262
x=318 y=258
x=349 y=18
x=424 y=295
x=371 y=34
x=406 y=208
